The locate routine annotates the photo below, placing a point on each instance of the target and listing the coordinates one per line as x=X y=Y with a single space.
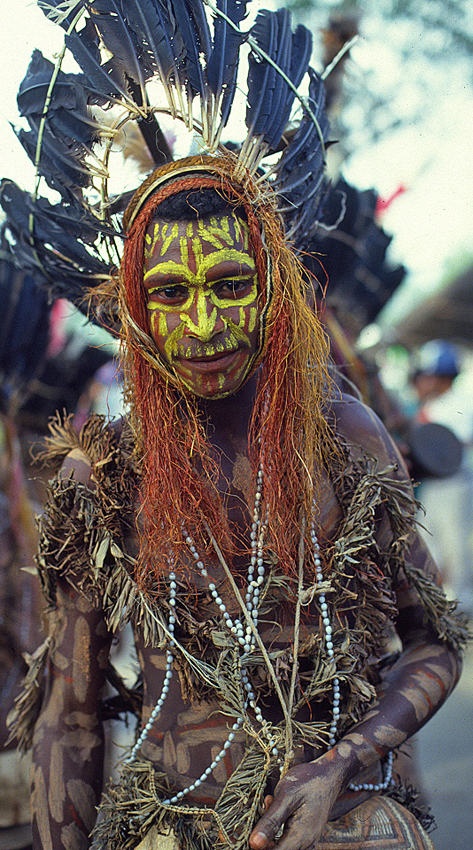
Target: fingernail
x=258 y=840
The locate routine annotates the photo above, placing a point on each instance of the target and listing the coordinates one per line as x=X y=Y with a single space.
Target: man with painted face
x=203 y=301
x=256 y=529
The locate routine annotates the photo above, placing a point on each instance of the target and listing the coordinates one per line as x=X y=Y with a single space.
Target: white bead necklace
x=168 y=672
x=388 y=768
x=243 y=633
x=328 y=636
x=246 y=639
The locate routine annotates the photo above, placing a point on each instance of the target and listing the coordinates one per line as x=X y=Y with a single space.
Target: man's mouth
x=218 y=351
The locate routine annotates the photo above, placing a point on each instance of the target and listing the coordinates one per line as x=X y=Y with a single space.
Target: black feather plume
x=68 y=131
x=109 y=18
x=25 y=328
x=262 y=77
x=300 y=171
x=103 y=78
x=155 y=27
x=270 y=97
x=104 y=22
x=65 y=245
x=195 y=33
x=59 y=171
x=222 y=68
x=283 y=97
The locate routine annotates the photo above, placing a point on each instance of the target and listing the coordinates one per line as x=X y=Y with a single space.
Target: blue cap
x=440 y=358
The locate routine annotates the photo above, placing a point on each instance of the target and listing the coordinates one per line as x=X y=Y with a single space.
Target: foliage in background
x=423 y=48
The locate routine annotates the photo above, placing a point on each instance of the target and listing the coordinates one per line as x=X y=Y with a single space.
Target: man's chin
x=216 y=378
x=210 y=394
x=212 y=389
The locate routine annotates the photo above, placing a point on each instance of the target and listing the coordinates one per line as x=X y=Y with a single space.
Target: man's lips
x=211 y=364
x=198 y=357
x=210 y=358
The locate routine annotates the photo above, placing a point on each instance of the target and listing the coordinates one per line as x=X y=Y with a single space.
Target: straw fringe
x=82 y=539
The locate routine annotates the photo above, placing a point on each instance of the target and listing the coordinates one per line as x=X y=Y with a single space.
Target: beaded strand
x=208 y=770
x=388 y=767
x=379 y=786
x=245 y=636
x=246 y=639
x=328 y=637
x=168 y=672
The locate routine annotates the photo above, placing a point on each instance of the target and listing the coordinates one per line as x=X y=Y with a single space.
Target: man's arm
x=418 y=684
x=415 y=688
x=68 y=738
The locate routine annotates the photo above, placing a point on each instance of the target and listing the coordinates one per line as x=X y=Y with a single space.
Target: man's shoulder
x=357 y=426
x=99 y=443
x=349 y=414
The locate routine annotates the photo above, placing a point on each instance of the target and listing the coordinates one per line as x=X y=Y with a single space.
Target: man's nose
x=204 y=320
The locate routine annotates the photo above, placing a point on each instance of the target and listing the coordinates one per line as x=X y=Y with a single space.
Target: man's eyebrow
x=236 y=269
x=166 y=279
x=168 y=272
x=230 y=268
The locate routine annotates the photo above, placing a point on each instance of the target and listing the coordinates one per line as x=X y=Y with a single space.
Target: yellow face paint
x=203 y=301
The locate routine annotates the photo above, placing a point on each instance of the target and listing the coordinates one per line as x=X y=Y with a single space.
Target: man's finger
x=268 y=826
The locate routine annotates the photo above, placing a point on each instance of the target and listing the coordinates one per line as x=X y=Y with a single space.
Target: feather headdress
x=195 y=51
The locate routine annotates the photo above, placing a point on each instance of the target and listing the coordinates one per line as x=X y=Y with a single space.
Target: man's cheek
x=248 y=318
x=243 y=320
x=166 y=333
x=158 y=324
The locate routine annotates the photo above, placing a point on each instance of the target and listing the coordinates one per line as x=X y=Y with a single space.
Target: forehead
x=220 y=233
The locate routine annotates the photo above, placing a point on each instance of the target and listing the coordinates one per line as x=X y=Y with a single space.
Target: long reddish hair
x=179 y=473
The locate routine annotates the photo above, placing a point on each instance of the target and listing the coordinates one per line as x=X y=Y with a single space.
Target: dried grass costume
x=83 y=538
x=85 y=530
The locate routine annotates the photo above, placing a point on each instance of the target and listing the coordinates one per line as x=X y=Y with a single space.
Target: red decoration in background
x=383 y=204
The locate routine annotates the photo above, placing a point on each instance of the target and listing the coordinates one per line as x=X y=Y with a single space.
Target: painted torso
x=367 y=516
x=190 y=731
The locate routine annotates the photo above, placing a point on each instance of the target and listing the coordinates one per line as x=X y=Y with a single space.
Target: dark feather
x=295 y=54
x=197 y=13
x=34 y=87
x=301 y=53
x=223 y=61
x=59 y=224
x=25 y=326
x=69 y=130
x=67 y=109
x=306 y=141
x=65 y=243
x=195 y=33
x=59 y=173
x=154 y=24
x=109 y=78
x=69 y=124
x=270 y=98
x=354 y=254
x=300 y=172
x=102 y=78
x=261 y=75
x=279 y=113
x=109 y=17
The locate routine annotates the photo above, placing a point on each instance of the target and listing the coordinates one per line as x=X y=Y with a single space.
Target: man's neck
x=231 y=414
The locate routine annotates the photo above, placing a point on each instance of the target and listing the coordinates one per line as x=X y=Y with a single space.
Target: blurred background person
x=448 y=501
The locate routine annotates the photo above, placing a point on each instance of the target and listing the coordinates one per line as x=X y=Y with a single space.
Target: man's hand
x=301 y=806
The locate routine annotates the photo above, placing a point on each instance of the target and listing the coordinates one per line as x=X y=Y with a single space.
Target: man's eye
x=170 y=293
x=232 y=288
